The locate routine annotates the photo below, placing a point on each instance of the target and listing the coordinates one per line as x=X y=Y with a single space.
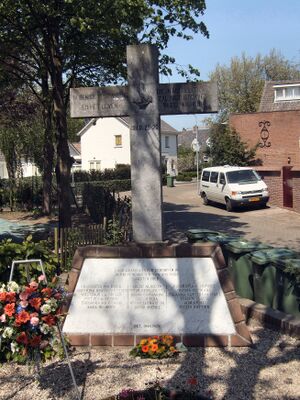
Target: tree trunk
x=64 y=161
x=48 y=150
x=47 y=169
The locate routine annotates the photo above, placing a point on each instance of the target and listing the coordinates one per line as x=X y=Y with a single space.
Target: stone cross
x=144 y=100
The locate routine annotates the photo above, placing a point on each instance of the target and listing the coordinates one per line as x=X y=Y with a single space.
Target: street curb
x=266 y=316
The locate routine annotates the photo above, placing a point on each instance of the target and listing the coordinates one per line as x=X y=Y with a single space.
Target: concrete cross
x=144 y=100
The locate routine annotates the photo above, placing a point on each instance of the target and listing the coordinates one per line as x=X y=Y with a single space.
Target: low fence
x=68 y=239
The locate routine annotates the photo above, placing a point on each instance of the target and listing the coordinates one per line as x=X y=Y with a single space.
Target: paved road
x=183 y=209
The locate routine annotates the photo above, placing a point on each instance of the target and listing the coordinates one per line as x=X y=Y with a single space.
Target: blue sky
x=237 y=26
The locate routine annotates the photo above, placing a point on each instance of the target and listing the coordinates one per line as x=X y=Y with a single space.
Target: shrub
x=184 y=178
x=122 y=171
x=113 y=186
x=10 y=251
x=99 y=202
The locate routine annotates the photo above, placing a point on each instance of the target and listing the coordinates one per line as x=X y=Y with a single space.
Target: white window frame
x=94 y=165
x=285 y=97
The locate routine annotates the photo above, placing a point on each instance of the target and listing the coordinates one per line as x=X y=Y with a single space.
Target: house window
x=95 y=165
x=167 y=142
x=118 y=140
x=288 y=92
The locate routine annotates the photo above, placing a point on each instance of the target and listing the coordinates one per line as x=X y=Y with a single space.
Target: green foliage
x=227 y=148
x=113 y=186
x=115 y=233
x=241 y=83
x=121 y=171
x=10 y=251
x=183 y=178
x=185 y=159
x=27 y=194
x=99 y=202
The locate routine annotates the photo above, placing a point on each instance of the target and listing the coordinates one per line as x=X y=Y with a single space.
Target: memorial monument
x=149 y=287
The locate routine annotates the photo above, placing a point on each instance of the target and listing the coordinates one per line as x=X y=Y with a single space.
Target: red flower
x=35 y=341
x=192 y=381
x=145 y=349
x=22 y=318
x=10 y=297
x=49 y=319
x=22 y=338
x=57 y=296
x=9 y=309
x=28 y=290
x=3 y=296
x=47 y=292
x=33 y=285
x=35 y=303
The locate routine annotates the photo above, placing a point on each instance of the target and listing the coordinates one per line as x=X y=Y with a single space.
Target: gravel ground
x=268 y=370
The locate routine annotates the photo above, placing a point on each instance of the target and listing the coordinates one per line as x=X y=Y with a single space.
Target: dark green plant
x=10 y=251
x=115 y=233
x=99 y=202
x=227 y=148
x=183 y=178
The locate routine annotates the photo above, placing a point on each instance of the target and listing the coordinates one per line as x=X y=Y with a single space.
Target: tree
x=186 y=159
x=17 y=113
x=54 y=44
x=240 y=85
x=227 y=148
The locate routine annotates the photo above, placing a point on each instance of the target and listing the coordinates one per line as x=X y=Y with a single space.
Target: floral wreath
x=28 y=318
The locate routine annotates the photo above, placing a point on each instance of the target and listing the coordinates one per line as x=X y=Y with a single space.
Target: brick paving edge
x=270 y=318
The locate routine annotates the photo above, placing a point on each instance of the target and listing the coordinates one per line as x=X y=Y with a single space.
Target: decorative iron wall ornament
x=264 y=133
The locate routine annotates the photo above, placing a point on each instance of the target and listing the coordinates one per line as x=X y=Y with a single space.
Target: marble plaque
x=149 y=296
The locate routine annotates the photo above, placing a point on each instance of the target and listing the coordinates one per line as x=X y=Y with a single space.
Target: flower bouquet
x=155 y=347
x=28 y=318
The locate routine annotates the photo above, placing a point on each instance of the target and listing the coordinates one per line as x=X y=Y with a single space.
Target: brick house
x=276 y=128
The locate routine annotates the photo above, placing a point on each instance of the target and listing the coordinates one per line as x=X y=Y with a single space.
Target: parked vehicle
x=233 y=186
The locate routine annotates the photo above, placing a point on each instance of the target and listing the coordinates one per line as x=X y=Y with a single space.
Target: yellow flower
x=143 y=342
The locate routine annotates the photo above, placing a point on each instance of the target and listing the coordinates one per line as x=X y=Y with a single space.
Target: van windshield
x=242 y=176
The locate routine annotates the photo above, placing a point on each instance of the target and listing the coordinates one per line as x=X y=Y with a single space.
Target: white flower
x=14 y=347
x=8 y=332
x=3 y=288
x=13 y=287
x=44 y=328
x=45 y=309
x=52 y=303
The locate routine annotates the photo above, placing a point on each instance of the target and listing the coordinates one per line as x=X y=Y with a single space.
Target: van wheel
x=228 y=205
x=205 y=199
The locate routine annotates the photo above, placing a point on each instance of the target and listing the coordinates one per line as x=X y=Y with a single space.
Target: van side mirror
x=222 y=181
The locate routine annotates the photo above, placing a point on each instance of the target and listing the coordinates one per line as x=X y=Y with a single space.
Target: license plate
x=254 y=199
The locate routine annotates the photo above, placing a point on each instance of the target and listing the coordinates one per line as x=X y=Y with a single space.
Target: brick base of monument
x=242 y=336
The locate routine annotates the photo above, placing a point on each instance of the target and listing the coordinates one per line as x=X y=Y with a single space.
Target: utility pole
x=196 y=149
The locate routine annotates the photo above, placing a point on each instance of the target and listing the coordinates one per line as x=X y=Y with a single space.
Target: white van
x=233 y=186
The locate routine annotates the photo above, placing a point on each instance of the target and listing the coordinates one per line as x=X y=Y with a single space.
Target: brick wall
x=296 y=191
x=284 y=135
x=273 y=180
